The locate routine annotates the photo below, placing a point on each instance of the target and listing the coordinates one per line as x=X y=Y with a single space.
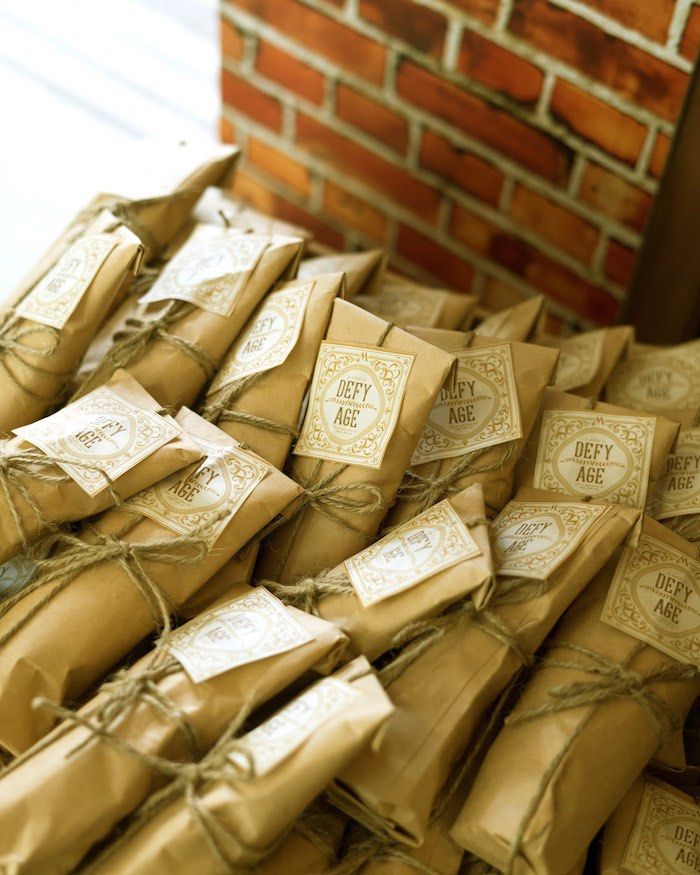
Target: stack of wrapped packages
x=309 y=568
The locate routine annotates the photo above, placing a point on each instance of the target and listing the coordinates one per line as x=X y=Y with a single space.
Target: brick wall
x=497 y=146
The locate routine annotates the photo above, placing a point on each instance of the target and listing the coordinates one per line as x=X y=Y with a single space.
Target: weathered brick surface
x=509 y=146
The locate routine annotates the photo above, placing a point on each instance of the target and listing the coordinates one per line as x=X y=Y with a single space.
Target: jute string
x=219 y=407
x=609 y=680
x=14 y=334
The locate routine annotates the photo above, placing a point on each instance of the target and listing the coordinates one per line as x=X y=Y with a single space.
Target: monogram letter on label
x=103 y=434
x=594 y=454
x=431 y=542
x=678 y=489
x=355 y=399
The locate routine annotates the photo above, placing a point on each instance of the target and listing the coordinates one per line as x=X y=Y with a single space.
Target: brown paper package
x=317 y=542
x=372 y=628
x=444 y=695
x=257 y=812
x=312 y=846
x=533 y=369
x=364 y=271
x=239 y=214
x=61 y=499
x=555 y=779
x=76 y=799
x=31 y=384
x=69 y=643
x=518 y=322
x=420 y=305
x=173 y=375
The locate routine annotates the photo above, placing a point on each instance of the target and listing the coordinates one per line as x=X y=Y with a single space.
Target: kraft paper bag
x=78 y=785
x=518 y=322
x=312 y=845
x=195 y=310
x=364 y=271
x=120 y=442
x=587 y=359
x=599 y=704
x=675 y=500
x=105 y=590
x=480 y=423
x=216 y=206
x=268 y=777
x=414 y=572
x=43 y=337
x=547 y=549
x=372 y=390
x=424 y=306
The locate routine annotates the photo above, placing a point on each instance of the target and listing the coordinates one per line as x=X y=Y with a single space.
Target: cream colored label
x=579 y=360
x=355 y=400
x=250 y=627
x=664 y=380
x=16 y=573
x=602 y=455
x=477 y=408
x=406 y=305
x=278 y=738
x=54 y=298
x=101 y=434
x=269 y=337
x=665 y=839
x=531 y=539
x=677 y=491
x=210 y=269
x=431 y=542
x=655 y=596
x=204 y=496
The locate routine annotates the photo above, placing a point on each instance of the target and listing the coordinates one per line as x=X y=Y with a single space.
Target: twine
x=13 y=347
x=221 y=409
x=609 y=680
x=687 y=527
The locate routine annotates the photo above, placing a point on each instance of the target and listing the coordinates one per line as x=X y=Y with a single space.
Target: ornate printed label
x=478 y=407
x=655 y=596
x=678 y=489
x=252 y=626
x=271 y=334
x=103 y=434
x=531 y=539
x=54 y=298
x=664 y=380
x=354 y=403
x=432 y=541
x=579 y=360
x=279 y=737
x=210 y=269
x=665 y=839
x=204 y=496
x=406 y=305
x=598 y=454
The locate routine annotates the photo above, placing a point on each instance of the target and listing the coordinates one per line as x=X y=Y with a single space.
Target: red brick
x=372 y=117
x=526 y=145
x=616 y=133
x=615 y=197
x=631 y=72
x=317 y=31
x=691 y=35
x=232 y=42
x=279 y=165
x=554 y=223
x=659 y=154
x=498 y=68
x=473 y=231
x=420 y=27
x=484 y=10
x=470 y=172
x=434 y=258
x=227 y=133
x=290 y=72
x=241 y=95
x=619 y=261
x=650 y=17
x=253 y=191
x=357 y=161
x=356 y=212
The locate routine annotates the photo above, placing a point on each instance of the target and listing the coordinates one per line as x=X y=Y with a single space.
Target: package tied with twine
x=217 y=205
x=85 y=458
x=412 y=304
x=450 y=670
x=372 y=390
x=104 y=590
x=194 y=310
x=480 y=422
x=675 y=500
x=247 y=792
x=605 y=695
x=364 y=271
x=104 y=760
x=519 y=322
x=414 y=572
x=313 y=844
x=44 y=335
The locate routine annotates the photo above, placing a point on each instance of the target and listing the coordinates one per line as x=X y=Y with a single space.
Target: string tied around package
x=607 y=680
x=15 y=349
x=219 y=407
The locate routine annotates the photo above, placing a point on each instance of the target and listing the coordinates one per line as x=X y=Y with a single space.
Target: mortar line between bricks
x=679 y=19
x=545 y=98
x=453 y=41
x=392 y=64
x=479 y=285
x=576 y=176
x=506 y=196
x=646 y=151
x=415 y=136
x=599 y=253
x=505 y=10
x=352 y=9
x=444 y=214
